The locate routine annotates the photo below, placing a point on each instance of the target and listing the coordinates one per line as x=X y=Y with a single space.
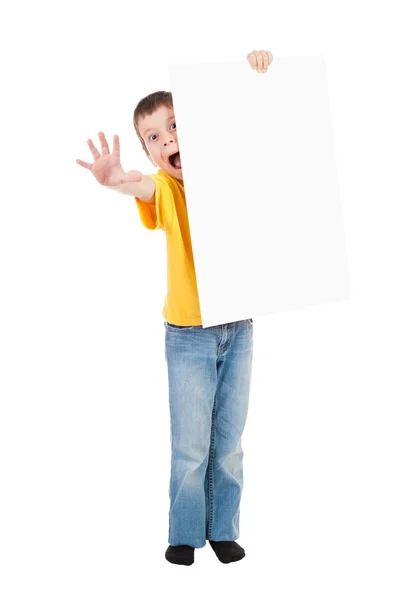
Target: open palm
x=107 y=168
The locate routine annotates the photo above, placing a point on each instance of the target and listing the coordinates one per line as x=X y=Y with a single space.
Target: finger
x=104 y=143
x=252 y=60
x=84 y=164
x=270 y=55
x=93 y=149
x=259 y=60
x=265 y=57
x=117 y=150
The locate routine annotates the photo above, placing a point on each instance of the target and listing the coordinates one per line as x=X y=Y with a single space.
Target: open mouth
x=174 y=160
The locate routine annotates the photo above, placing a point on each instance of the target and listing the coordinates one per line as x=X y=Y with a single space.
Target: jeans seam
x=210 y=467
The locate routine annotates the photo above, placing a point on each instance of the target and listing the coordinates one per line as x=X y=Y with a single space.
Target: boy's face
x=159 y=134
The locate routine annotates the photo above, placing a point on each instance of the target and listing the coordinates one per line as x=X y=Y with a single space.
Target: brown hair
x=147 y=106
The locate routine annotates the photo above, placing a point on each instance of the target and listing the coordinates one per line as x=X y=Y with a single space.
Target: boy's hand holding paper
x=260 y=60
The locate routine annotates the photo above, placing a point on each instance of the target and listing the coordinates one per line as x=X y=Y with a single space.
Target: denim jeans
x=209 y=374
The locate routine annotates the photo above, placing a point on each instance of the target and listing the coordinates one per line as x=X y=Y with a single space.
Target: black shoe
x=180 y=555
x=227 y=551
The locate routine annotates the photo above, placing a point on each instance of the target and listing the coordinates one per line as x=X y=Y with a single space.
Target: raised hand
x=107 y=168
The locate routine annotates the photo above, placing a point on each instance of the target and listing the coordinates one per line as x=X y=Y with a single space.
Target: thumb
x=132 y=177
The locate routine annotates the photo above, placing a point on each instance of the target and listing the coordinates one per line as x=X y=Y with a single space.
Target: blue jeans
x=209 y=374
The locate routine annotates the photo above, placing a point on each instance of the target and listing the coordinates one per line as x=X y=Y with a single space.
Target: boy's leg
x=191 y=354
x=234 y=367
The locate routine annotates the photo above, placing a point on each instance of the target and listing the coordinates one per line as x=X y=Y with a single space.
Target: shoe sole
x=232 y=559
x=178 y=562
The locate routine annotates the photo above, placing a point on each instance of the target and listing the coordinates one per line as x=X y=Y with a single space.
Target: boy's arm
x=144 y=189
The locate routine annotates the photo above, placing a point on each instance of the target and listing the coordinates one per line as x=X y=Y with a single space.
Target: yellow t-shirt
x=169 y=213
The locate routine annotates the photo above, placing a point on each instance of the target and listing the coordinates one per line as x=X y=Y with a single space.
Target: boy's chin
x=177 y=173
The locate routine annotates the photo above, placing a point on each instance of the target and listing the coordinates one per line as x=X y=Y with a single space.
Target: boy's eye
x=154 y=134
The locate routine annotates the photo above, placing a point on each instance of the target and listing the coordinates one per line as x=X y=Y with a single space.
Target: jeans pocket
x=177 y=327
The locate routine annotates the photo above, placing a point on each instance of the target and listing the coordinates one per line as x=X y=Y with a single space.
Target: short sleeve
x=158 y=215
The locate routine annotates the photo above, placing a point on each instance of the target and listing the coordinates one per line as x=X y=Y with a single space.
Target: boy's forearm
x=143 y=189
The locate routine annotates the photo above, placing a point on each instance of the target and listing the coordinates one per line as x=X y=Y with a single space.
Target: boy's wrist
x=143 y=189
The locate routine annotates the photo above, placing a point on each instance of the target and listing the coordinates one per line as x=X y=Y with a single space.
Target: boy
x=209 y=370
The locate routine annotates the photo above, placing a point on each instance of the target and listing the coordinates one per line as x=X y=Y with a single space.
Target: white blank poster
x=261 y=186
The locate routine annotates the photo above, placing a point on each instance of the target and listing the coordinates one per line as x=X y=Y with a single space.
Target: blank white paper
x=261 y=186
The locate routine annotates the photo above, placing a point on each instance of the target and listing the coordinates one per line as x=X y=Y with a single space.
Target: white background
x=84 y=422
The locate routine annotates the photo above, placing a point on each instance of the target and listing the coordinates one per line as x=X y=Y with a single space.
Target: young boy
x=209 y=370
